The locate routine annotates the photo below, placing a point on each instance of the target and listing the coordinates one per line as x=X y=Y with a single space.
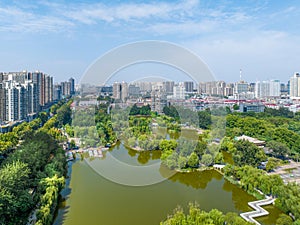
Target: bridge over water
x=258 y=210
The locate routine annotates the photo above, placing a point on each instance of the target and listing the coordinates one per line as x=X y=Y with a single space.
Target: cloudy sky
x=63 y=38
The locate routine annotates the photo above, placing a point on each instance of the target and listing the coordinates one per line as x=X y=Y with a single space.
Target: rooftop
x=250 y=139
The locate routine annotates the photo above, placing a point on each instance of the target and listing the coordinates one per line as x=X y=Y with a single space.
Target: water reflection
x=156 y=155
x=144 y=157
x=106 y=199
x=239 y=196
x=195 y=179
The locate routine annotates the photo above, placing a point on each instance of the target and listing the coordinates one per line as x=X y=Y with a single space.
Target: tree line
x=200 y=217
x=32 y=174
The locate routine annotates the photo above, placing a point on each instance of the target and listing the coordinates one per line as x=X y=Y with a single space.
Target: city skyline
x=63 y=38
x=24 y=94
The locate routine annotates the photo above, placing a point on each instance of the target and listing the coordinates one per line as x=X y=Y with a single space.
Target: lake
x=91 y=198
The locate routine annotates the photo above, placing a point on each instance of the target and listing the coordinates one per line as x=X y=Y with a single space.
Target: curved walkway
x=259 y=211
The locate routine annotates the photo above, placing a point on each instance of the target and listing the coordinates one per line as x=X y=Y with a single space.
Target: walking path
x=259 y=211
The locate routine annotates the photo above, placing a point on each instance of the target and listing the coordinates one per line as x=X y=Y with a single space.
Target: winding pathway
x=259 y=211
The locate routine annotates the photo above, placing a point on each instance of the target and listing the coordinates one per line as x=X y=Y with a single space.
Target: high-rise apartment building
x=252 y=87
x=269 y=88
x=11 y=101
x=44 y=84
x=2 y=102
x=22 y=101
x=124 y=94
x=66 y=89
x=158 y=97
x=72 y=87
x=229 y=89
x=212 y=88
x=295 y=86
x=241 y=87
x=207 y=87
x=284 y=89
x=120 y=91
x=62 y=90
x=262 y=89
x=188 y=86
x=16 y=101
x=32 y=98
x=179 y=91
x=274 y=88
x=117 y=90
x=57 y=92
x=133 y=90
x=168 y=87
x=23 y=94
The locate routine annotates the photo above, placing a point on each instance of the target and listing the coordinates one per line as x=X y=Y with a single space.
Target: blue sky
x=62 y=38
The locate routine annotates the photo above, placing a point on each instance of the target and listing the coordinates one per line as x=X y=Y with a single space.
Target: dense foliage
x=93 y=125
x=144 y=110
x=171 y=111
x=248 y=153
x=38 y=158
x=252 y=180
x=279 y=128
x=186 y=154
x=199 y=217
x=272 y=126
x=205 y=120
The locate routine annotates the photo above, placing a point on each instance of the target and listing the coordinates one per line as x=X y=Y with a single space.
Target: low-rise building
x=255 y=141
x=252 y=107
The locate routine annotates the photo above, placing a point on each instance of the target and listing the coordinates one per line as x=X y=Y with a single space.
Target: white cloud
x=264 y=55
x=183 y=29
x=18 y=20
x=90 y=14
x=158 y=18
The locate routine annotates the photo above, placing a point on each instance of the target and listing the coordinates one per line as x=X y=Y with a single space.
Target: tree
x=43 y=116
x=297 y=222
x=15 y=199
x=279 y=150
x=14 y=176
x=236 y=107
x=144 y=110
x=69 y=130
x=271 y=164
x=193 y=160
x=167 y=145
x=282 y=112
x=207 y=159
x=200 y=147
x=233 y=219
x=64 y=115
x=197 y=216
x=228 y=145
x=182 y=161
x=204 y=119
x=248 y=154
x=171 y=160
x=52 y=186
x=132 y=142
x=284 y=219
x=171 y=111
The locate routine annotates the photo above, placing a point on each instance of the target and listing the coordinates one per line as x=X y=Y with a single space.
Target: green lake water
x=92 y=199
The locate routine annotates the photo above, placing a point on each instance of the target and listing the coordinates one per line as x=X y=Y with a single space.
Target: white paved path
x=259 y=211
